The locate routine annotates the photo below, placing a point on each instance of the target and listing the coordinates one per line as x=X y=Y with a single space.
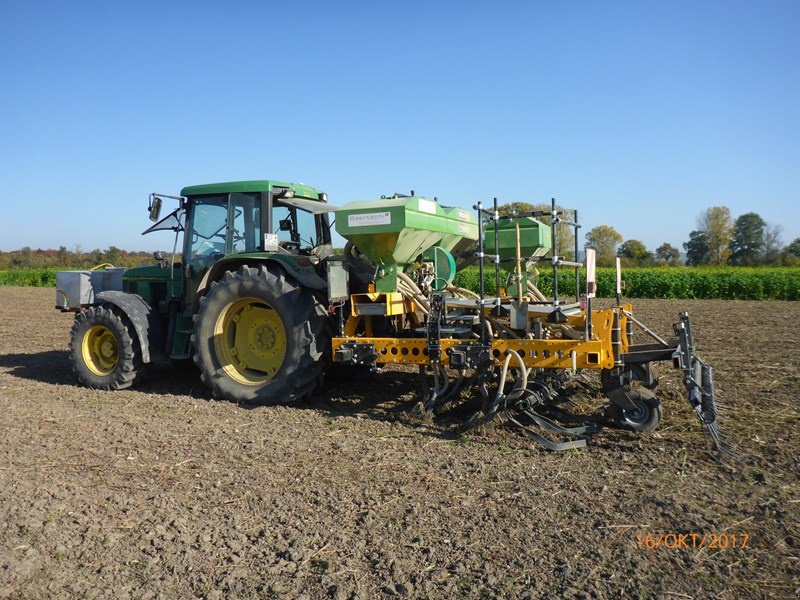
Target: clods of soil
x=160 y=491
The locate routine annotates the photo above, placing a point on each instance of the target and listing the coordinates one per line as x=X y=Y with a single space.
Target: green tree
x=716 y=223
x=668 y=253
x=26 y=257
x=697 y=252
x=112 y=255
x=747 y=241
x=63 y=256
x=635 y=253
x=794 y=248
x=771 y=247
x=604 y=240
x=565 y=233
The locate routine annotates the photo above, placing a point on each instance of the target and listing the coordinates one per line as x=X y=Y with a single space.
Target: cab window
x=245 y=215
x=295 y=228
x=223 y=225
x=209 y=220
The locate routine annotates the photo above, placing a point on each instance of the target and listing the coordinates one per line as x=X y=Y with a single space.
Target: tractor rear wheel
x=104 y=350
x=261 y=338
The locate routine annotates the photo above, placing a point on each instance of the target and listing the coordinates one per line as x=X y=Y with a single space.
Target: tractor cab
x=250 y=216
x=245 y=219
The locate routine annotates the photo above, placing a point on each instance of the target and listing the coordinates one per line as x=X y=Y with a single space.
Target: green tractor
x=248 y=302
x=262 y=306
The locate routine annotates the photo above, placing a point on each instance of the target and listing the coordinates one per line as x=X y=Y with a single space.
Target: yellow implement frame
x=597 y=353
x=364 y=306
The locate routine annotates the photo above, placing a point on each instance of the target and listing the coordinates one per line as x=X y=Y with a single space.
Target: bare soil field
x=160 y=491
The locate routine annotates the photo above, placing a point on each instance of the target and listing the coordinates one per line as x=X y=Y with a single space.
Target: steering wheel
x=211 y=246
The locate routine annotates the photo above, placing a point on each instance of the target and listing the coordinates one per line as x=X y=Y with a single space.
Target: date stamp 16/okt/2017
x=689 y=541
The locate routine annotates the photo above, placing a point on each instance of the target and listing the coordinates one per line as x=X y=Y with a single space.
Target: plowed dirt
x=160 y=491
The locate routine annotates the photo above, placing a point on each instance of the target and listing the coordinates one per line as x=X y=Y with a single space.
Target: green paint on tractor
x=257 y=185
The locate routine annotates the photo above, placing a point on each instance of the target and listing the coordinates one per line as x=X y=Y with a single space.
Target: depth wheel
x=261 y=338
x=633 y=376
x=103 y=349
x=646 y=415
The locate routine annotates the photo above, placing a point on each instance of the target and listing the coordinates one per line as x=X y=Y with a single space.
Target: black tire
x=646 y=417
x=94 y=366
x=306 y=328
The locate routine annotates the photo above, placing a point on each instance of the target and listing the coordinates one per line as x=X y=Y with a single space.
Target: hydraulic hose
x=534 y=291
x=521 y=384
x=409 y=282
x=500 y=326
x=502 y=384
x=416 y=297
x=463 y=292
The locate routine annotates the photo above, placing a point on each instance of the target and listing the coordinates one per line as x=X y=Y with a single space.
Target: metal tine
x=554 y=427
x=543 y=441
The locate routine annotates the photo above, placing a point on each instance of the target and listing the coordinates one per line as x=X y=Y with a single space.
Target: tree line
x=27 y=258
x=717 y=240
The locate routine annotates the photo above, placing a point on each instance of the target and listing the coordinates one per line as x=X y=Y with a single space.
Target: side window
x=281 y=214
x=306 y=228
x=300 y=226
x=246 y=219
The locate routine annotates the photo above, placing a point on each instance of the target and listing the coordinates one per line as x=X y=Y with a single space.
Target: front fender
x=145 y=320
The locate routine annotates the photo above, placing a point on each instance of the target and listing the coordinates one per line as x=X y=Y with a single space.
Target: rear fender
x=304 y=276
x=145 y=320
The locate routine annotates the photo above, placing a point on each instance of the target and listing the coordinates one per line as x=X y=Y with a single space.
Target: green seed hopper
x=394 y=231
x=534 y=240
x=534 y=237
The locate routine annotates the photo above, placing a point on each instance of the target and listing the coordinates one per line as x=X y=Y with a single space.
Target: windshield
x=226 y=224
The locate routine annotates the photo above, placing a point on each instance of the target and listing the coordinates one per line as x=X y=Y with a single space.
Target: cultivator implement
x=513 y=351
x=247 y=305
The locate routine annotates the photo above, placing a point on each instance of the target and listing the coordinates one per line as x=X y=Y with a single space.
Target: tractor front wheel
x=261 y=338
x=104 y=350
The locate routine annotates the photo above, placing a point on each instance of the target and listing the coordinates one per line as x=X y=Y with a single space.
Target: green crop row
x=712 y=283
x=725 y=283
x=29 y=277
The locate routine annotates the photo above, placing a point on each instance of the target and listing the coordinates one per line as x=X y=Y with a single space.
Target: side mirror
x=286 y=225
x=155 y=208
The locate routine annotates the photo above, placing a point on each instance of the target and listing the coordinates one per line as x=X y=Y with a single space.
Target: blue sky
x=639 y=114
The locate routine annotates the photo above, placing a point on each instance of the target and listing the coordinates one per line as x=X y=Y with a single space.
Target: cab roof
x=259 y=185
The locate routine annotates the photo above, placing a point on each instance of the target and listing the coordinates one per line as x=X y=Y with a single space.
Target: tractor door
x=218 y=226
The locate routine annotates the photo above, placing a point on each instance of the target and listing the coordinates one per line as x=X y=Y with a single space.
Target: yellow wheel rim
x=250 y=341
x=100 y=350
